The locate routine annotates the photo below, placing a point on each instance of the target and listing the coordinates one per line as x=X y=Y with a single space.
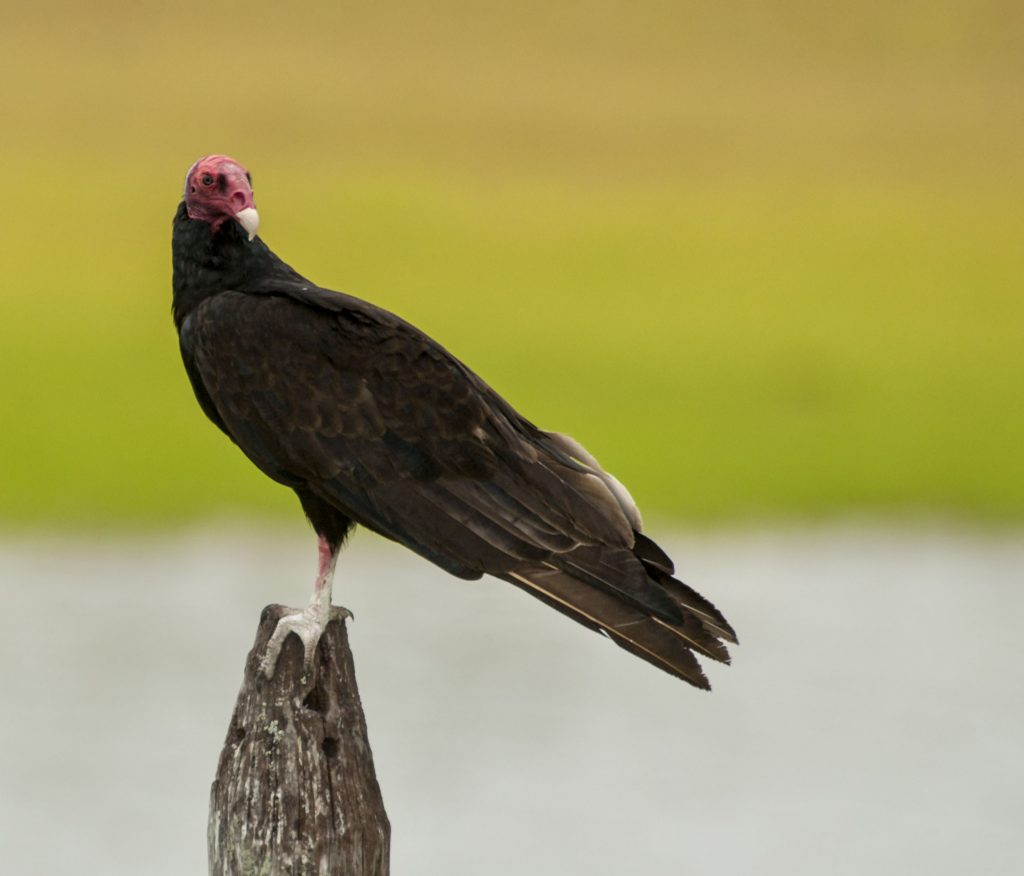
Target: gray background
x=872 y=722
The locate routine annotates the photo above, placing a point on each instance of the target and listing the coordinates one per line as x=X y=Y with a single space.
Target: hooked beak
x=249 y=219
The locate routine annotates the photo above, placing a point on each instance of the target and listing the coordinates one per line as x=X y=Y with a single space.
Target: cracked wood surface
x=295 y=791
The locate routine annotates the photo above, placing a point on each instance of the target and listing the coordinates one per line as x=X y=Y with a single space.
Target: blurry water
x=872 y=723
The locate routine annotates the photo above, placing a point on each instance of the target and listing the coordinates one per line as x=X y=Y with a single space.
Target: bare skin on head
x=218 y=188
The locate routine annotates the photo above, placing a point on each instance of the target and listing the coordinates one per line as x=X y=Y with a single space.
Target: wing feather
x=369 y=415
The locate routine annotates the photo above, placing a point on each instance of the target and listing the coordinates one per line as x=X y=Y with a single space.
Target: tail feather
x=660 y=567
x=652 y=556
x=712 y=619
x=692 y=632
x=624 y=624
x=618 y=570
x=642 y=630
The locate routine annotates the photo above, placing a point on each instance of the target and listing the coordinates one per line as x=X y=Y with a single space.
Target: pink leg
x=308 y=624
x=324 y=573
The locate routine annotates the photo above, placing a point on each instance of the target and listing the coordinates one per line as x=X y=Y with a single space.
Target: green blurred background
x=763 y=259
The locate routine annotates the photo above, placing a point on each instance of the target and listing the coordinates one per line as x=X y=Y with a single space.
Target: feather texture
x=372 y=422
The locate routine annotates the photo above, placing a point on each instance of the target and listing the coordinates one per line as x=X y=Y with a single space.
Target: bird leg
x=308 y=624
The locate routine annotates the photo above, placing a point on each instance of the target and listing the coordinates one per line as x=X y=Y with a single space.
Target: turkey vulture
x=372 y=422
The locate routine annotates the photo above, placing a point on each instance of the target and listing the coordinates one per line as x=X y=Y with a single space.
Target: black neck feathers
x=206 y=263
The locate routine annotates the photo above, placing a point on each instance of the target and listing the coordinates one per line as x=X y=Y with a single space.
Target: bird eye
x=207 y=179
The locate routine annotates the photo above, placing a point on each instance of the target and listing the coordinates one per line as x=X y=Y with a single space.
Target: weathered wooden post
x=295 y=791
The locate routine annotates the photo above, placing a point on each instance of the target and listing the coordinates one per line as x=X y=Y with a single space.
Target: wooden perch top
x=295 y=791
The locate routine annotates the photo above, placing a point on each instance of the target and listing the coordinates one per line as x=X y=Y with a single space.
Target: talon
x=309 y=626
x=309 y=623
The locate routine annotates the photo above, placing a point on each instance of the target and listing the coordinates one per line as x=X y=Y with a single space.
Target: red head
x=219 y=188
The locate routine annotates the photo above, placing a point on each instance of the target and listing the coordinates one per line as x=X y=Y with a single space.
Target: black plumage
x=371 y=422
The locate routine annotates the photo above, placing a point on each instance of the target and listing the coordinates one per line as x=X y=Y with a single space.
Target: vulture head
x=218 y=188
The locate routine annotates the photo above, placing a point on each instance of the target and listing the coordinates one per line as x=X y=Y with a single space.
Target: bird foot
x=308 y=625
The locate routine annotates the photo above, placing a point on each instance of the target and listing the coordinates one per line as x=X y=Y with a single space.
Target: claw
x=308 y=625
